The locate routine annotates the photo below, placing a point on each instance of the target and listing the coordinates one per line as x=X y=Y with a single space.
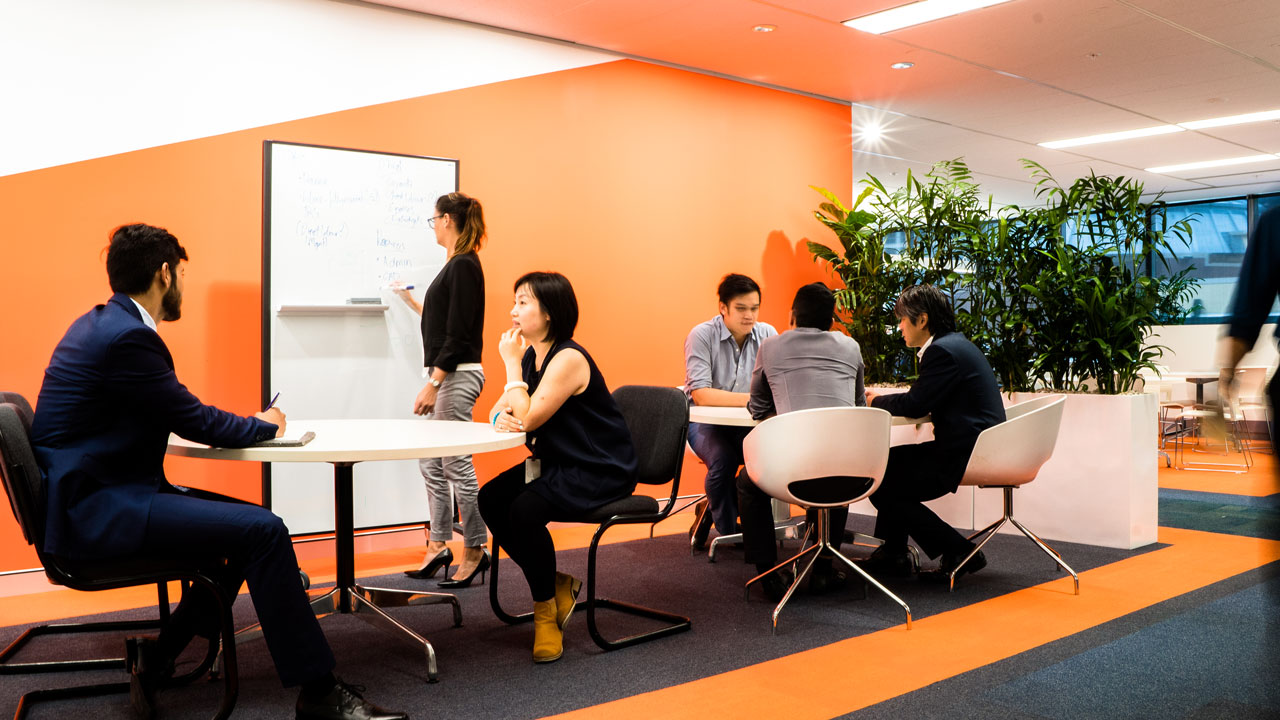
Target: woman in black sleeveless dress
x=582 y=456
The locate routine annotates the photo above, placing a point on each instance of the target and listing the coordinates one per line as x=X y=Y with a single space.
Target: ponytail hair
x=467 y=214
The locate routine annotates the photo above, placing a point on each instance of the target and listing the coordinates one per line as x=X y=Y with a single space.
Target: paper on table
x=289 y=440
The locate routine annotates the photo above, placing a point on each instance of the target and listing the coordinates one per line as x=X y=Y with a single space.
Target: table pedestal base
x=368 y=604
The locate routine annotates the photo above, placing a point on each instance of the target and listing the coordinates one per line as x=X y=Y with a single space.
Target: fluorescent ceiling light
x=1112 y=137
x=914 y=14
x=1212 y=163
x=1232 y=120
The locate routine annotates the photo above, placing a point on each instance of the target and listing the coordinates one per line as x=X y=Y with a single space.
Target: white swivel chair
x=821 y=458
x=1009 y=455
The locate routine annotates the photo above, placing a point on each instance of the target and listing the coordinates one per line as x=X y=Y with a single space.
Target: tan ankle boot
x=548 y=640
x=567 y=589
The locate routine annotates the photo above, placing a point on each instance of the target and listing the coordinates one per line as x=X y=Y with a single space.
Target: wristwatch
x=436 y=383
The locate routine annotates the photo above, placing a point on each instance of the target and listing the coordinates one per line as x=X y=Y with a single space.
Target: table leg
x=344 y=535
x=369 y=602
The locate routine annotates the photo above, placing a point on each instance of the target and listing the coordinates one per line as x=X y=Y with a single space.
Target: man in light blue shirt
x=718 y=357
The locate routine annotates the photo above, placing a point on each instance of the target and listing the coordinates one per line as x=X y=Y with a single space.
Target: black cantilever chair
x=658 y=418
x=25 y=487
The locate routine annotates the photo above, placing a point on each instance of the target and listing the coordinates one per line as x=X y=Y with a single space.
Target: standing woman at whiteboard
x=452 y=325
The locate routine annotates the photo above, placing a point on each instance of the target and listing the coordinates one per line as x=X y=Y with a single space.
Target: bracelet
x=494 y=422
x=515 y=384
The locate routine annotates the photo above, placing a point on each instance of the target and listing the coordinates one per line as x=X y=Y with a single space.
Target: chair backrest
x=1251 y=384
x=1012 y=452
x=824 y=457
x=24 y=407
x=23 y=482
x=658 y=418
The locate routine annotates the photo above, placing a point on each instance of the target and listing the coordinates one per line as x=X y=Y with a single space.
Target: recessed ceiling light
x=914 y=14
x=1111 y=137
x=872 y=132
x=1232 y=120
x=1213 y=163
x=902 y=65
x=764 y=28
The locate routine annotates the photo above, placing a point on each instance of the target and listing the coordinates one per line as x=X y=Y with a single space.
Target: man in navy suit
x=109 y=400
x=958 y=388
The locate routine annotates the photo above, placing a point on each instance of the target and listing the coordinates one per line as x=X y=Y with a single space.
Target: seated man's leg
x=720 y=447
x=915 y=474
x=756 y=510
x=258 y=549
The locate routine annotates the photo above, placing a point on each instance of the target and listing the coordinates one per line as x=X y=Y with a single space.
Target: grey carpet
x=485 y=666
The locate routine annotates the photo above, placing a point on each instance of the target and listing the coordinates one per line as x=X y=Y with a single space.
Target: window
x=1219 y=232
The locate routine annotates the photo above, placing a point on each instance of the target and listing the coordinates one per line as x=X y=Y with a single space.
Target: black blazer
x=958 y=388
x=109 y=401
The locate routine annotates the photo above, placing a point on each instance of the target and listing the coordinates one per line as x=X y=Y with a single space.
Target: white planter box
x=1099 y=488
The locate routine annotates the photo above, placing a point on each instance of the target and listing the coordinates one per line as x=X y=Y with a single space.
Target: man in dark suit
x=109 y=400
x=958 y=388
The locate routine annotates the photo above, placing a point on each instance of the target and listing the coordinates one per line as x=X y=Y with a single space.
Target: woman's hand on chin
x=512 y=346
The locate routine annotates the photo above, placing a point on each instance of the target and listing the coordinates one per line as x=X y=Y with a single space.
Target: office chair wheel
x=306 y=580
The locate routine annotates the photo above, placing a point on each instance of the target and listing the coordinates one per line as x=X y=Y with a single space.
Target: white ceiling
x=987 y=85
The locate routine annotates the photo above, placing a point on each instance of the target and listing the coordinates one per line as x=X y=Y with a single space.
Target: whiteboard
x=338 y=225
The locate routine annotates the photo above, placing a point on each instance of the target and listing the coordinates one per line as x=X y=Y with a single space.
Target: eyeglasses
x=431 y=222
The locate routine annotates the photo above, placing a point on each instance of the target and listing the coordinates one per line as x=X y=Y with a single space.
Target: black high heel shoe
x=482 y=568
x=443 y=559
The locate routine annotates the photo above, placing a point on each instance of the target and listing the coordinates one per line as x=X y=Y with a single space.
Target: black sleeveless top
x=585 y=447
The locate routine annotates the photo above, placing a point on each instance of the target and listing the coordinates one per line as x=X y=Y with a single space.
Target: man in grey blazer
x=803 y=368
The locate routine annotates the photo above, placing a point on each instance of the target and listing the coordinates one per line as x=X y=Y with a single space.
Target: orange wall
x=644 y=185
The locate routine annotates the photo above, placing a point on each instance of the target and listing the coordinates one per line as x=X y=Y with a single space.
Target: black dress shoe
x=775 y=584
x=147 y=672
x=701 y=526
x=949 y=563
x=826 y=580
x=443 y=559
x=460 y=582
x=887 y=562
x=343 y=702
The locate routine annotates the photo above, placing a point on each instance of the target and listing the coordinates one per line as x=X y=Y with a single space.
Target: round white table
x=343 y=443
x=738 y=416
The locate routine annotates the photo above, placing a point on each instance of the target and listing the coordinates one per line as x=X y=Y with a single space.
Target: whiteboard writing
x=345 y=224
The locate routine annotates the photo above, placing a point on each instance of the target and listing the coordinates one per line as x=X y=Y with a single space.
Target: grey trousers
x=454 y=478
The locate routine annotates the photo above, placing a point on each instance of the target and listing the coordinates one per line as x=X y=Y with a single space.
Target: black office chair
x=658 y=418
x=24 y=484
x=26 y=415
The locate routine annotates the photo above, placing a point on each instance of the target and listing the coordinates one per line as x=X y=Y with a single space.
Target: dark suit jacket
x=109 y=401
x=958 y=388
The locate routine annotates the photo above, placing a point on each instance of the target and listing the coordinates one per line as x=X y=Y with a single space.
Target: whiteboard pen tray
x=352 y=309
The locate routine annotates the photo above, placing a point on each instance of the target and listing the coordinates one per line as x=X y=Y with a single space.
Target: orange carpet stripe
x=852 y=674
x=1261 y=481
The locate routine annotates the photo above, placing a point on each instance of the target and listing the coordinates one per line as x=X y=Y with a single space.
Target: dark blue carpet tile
x=1212 y=653
x=1223 y=653
x=1226 y=514
x=1267 y=501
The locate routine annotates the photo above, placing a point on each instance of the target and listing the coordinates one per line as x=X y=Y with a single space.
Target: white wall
x=88 y=78
x=1195 y=347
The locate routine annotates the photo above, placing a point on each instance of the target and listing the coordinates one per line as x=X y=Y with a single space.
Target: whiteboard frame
x=266 y=276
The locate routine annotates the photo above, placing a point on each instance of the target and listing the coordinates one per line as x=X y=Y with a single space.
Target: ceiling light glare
x=871 y=132
x=764 y=28
x=915 y=14
x=1111 y=137
x=902 y=65
x=1232 y=120
x=1212 y=164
